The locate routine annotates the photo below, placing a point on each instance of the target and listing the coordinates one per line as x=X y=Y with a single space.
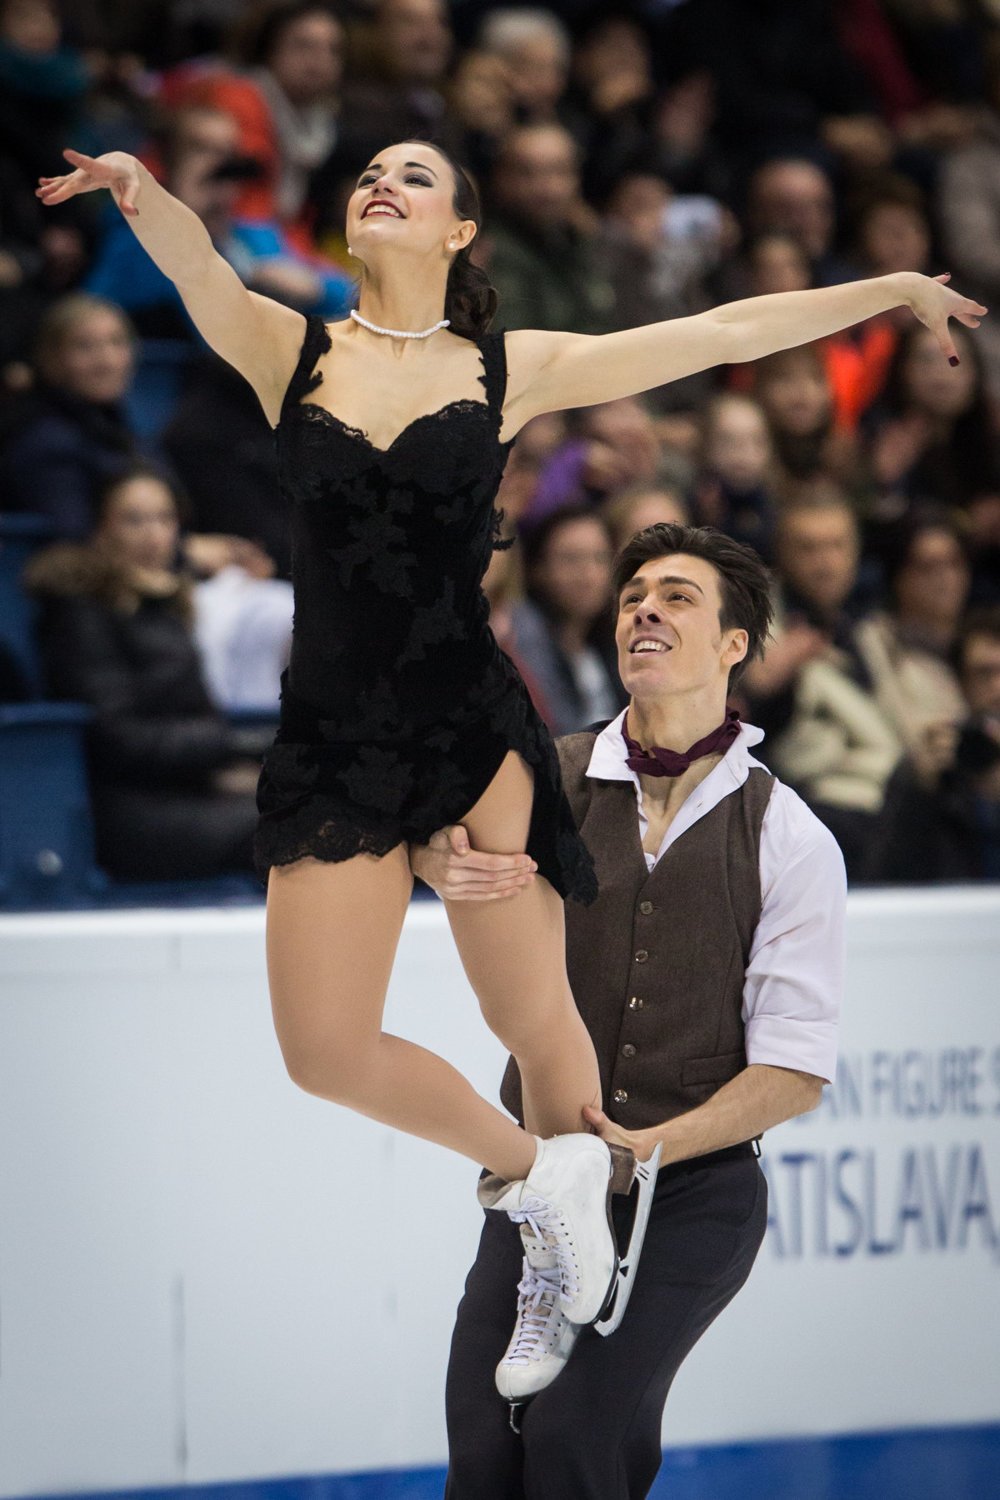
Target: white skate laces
x=543 y=1336
x=565 y=1204
x=539 y=1315
x=547 y=1224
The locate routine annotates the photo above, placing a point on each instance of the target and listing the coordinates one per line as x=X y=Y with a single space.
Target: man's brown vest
x=657 y=962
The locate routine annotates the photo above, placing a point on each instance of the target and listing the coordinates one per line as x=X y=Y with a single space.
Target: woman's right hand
x=115 y=170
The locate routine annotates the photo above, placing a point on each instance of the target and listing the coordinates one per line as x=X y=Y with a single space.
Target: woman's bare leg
x=332 y=933
x=514 y=953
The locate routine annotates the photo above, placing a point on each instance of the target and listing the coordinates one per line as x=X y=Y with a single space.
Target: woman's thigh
x=332 y=930
x=515 y=947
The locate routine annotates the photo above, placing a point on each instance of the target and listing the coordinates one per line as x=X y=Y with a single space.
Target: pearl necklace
x=399 y=333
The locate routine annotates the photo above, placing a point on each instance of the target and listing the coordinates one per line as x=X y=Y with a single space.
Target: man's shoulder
x=575 y=749
x=794 y=832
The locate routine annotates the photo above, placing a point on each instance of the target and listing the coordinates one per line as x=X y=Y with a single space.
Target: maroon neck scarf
x=659 y=762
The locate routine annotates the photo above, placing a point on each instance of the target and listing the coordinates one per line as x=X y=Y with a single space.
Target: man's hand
x=934 y=753
x=642 y=1142
x=457 y=872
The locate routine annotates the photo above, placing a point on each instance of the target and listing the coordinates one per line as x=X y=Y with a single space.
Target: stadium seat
x=47 y=851
x=46 y=832
x=157 y=385
x=20 y=536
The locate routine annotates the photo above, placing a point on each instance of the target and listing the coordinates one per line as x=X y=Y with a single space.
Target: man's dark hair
x=982 y=621
x=744 y=581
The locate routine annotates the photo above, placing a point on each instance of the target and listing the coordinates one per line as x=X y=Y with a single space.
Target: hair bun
x=470 y=301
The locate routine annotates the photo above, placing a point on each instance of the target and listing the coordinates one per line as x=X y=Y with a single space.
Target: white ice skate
x=565 y=1201
x=645 y=1182
x=543 y=1335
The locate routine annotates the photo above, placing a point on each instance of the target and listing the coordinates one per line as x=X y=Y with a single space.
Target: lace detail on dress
x=397 y=705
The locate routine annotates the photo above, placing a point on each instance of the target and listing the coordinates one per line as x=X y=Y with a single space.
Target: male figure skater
x=709 y=973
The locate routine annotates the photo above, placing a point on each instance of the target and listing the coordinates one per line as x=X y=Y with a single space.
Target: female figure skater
x=399 y=712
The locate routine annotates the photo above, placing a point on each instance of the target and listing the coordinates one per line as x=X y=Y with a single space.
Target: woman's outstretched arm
x=256 y=335
x=553 y=371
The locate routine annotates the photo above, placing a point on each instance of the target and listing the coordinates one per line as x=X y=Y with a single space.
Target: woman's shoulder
x=81 y=573
x=67 y=570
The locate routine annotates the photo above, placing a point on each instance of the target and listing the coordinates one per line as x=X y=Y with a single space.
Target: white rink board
x=206 y=1274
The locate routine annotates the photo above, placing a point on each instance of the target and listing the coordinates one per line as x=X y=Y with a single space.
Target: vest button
x=641 y=956
x=636 y=1002
x=621 y=1096
x=628 y=1050
x=645 y=907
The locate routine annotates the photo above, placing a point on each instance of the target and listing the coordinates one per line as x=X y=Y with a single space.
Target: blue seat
x=47 y=848
x=46 y=830
x=20 y=536
x=157 y=385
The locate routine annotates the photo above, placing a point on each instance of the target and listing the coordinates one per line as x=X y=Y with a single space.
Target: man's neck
x=675 y=724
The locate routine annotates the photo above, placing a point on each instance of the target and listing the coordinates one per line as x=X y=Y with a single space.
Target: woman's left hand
x=934 y=303
x=642 y=1142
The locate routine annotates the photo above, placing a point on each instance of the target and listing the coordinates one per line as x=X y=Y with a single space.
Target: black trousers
x=594 y=1433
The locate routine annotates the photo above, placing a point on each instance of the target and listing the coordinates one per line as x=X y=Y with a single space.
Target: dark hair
x=256 y=35
x=890 y=189
x=967 y=463
x=901 y=538
x=470 y=301
x=985 y=620
x=744 y=581
x=535 y=544
x=142 y=469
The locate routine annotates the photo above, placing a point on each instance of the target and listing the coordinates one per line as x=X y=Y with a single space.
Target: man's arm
x=754 y=1101
x=791 y=995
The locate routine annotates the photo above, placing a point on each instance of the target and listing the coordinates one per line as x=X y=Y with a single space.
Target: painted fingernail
x=953 y=359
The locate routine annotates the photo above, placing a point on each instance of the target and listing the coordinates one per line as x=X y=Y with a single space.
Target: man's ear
x=736 y=648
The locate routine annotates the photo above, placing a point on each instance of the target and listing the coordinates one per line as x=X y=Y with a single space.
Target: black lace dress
x=397 y=705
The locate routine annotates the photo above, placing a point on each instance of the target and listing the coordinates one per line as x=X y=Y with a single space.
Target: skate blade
x=621 y=1290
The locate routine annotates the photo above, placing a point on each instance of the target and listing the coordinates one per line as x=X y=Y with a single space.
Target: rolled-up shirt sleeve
x=795 y=976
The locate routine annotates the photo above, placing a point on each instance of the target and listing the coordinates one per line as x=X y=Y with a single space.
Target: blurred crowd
x=637 y=162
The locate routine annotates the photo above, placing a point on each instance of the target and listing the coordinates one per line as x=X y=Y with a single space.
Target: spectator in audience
x=206 y=177
x=969 y=204
x=784 y=83
x=907 y=646
x=855 y=361
x=794 y=389
x=733 y=491
x=544 y=265
x=941 y=819
x=480 y=97
x=795 y=196
x=535 y=47
x=173 y=783
x=284 y=100
x=563 y=629
x=812 y=694
x=69 y=435
x=776 y=261
x=641 y=504
x=612 y=444
x=612 y=105
x=659 y=253
x=932 y=434
x=43 y=86
x=396 y=86
x=38 y=261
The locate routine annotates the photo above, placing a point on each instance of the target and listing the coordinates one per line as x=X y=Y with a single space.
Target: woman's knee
x=531 y=1022
x=329 y=1067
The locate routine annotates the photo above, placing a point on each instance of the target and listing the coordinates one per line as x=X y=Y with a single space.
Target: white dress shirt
x=795 y=975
